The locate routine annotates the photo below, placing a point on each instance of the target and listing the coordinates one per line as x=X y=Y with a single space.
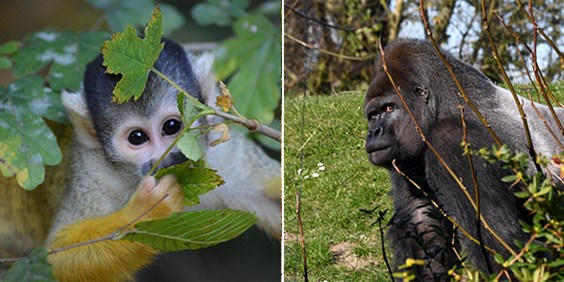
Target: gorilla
x=417 y=230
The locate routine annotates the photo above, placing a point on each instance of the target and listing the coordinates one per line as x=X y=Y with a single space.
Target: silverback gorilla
x=417 y=230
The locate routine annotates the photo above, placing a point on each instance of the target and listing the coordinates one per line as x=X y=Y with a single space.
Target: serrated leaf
x=192 y=230
x=35 y=267
x=26 y=142
x=133 y=57
x=67 y=53
x=253 y=59
x=5 y=62
x=190 y=145
x=9 y=47
x=121 y=13
x=194 y=180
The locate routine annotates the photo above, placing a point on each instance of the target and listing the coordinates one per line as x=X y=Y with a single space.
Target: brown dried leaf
x=224 y=130
x=224 y=99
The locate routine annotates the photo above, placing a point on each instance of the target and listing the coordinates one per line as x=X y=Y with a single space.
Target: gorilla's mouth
x=371 y=147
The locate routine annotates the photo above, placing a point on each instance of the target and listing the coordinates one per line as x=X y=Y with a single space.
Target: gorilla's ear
x=423 y=93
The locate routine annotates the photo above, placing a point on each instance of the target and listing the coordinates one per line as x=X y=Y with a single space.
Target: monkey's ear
x=78 y=113
x=202 y=66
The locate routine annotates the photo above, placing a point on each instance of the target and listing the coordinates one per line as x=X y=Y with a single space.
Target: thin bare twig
x=476 y=191
x=309 y=46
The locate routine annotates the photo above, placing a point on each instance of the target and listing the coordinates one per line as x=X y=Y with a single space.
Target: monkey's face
x=141 y=140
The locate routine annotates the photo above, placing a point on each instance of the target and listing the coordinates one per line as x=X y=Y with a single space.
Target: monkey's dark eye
x=137 y=137
x=171 y=126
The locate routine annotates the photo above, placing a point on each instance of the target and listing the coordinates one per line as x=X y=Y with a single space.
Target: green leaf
x=121 y=13
x=5 y=62
x=190 y=145
x=9 y=47
x=192 y=230
x=66 y=51
x=193 y=180
x=219 y=13
x=35 y=267
x=26 y=142
x=253 y=59
x=69 y=77
x=509 y=178
x=133 y=57
x=522 y=194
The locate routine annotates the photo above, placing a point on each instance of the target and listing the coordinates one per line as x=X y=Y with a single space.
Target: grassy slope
x=334 y=135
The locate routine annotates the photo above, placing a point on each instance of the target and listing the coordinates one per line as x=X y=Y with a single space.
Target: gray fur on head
x=99 y=85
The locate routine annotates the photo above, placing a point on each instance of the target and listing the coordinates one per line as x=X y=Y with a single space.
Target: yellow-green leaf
x=193 y=181
x=192 y=230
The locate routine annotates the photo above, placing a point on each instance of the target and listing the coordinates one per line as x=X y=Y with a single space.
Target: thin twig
x=309 y=46
x=303 y=15
x=380 y=217
x=540 y=30
x=476 y=191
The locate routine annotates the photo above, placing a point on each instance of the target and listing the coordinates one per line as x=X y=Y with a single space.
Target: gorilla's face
x=391 y=132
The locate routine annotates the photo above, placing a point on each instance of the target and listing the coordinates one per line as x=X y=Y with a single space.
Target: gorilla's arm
x=498 y=204
x=417 y=231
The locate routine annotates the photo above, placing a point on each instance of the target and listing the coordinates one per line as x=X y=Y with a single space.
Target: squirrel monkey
x=114 y=147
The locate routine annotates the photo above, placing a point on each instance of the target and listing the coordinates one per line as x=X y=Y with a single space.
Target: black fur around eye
x=171 y=126
x=137 y=137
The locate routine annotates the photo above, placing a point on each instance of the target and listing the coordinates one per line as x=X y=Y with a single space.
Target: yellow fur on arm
x=114 y=260
x=101 y=261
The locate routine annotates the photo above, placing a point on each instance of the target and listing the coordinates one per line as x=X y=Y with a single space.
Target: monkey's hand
x=157 y=200
x=111 y=260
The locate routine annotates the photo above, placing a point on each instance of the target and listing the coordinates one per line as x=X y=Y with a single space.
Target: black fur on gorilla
x=417 y=229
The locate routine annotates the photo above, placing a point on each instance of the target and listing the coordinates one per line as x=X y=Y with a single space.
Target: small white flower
x=321 y=168
x=306 y=177
x=319 y=164
x=300 y=171
x=315 y=175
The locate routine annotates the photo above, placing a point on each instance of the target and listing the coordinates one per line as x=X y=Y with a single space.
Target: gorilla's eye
x=389 y=108
x=137 y=137
x=372 y=115
x=171 y=126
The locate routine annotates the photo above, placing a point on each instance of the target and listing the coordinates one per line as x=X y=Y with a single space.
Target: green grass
x=334 y=136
